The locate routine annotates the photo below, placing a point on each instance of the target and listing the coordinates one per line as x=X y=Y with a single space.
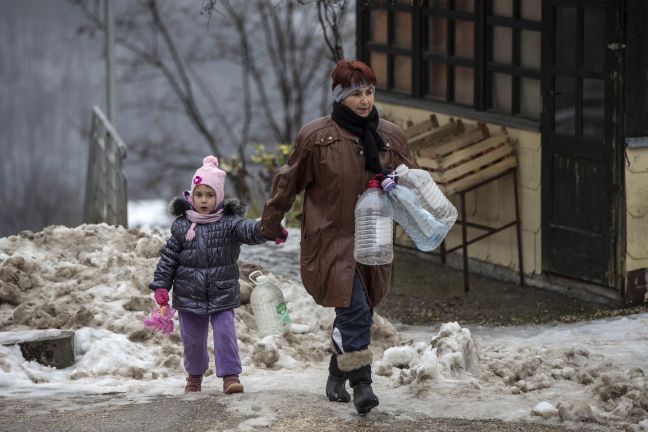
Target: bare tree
x=281 y=59
x=164 y=55
x=331 y=15
x=280 y=55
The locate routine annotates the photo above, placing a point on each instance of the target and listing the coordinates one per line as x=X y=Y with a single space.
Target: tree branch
x=249 y=63
x=330 y=22
x=185 y=93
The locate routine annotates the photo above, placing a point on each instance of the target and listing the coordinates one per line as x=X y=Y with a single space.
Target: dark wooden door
x=577 y=139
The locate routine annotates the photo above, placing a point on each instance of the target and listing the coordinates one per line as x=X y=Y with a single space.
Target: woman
x=334 y=158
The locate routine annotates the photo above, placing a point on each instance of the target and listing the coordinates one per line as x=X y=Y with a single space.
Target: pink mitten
x=282 y=238
x=161 y=296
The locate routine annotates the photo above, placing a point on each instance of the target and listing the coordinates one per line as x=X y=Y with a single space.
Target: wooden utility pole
x=110 y=61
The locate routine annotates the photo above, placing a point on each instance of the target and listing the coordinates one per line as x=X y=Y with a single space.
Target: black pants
x=352 y=325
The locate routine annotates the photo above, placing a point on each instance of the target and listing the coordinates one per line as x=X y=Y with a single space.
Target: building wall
x=636 y=128
x=493 y=204
x=636 y=183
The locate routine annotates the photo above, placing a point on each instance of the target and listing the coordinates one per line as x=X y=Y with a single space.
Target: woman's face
x=204 y=199
x=360 y=101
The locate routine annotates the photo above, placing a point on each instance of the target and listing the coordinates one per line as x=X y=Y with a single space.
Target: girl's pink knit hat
x=211 y=176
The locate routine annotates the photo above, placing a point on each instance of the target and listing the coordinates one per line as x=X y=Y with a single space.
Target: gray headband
x=340 y=92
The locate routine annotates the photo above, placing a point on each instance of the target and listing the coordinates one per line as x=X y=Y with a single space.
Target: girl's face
x=204 y=199
x=360 y=101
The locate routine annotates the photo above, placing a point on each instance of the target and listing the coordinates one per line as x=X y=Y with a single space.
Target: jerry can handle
x=254 y=275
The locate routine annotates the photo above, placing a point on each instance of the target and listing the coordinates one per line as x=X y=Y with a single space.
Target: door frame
x=614 y=117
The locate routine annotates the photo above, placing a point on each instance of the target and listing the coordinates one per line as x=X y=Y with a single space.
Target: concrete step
x=47 y=347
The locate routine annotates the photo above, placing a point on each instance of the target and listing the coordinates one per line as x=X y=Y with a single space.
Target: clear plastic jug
x=268 y=306
x=426 y=232
x=374 y=228
x=429 y=194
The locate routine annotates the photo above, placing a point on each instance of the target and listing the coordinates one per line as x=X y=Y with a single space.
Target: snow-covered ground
x=93 y=279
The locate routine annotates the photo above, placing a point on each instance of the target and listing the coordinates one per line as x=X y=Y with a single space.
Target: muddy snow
x=93 y=279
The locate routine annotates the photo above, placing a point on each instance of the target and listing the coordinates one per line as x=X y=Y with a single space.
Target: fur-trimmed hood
x=230 y=206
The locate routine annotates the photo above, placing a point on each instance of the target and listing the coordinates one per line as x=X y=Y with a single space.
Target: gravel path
x=210 y=413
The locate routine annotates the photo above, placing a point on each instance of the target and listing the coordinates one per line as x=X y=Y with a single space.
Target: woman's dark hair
x=349 y=72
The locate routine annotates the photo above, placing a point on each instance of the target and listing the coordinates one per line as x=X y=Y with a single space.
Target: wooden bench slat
x=467 y=153
x=427 y=163
x=431 y=137
x=459 y=157
x=469 y=136
x=480 y=176
x=435 y=177
x=421 y=127
x=422 y=138
x=476 y=163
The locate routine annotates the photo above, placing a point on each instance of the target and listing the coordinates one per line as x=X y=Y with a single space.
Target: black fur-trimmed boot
x=364 y=398
x=335 y=385
x=357 y=366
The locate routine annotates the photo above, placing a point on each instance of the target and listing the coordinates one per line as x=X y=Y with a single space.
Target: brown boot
x=231 y=384
x=193 y=383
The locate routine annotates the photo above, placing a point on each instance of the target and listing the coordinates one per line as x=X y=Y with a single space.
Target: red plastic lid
x=373 y=184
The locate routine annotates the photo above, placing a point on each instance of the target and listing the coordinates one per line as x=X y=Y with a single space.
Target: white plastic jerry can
x=268 y=306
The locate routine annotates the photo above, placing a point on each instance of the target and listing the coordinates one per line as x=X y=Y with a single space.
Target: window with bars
x=481 y=54
x=390 y=38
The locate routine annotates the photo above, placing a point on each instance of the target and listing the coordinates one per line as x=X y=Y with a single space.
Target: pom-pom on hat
x=210 y=175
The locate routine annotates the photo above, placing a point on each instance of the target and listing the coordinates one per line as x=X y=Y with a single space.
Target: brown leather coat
x=327 y=163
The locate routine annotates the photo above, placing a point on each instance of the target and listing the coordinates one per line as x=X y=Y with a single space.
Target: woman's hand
x=283 y=237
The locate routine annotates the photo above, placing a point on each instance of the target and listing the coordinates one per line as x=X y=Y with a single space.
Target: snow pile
x=94 y=279
x=642 y=426
x=544 y=409
x=582 y=373
x=614 y=392
x=451 y=356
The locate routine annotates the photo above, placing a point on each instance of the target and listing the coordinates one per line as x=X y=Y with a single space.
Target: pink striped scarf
x=199 y=218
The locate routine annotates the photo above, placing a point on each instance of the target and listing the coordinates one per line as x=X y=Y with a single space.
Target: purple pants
x=194 y=329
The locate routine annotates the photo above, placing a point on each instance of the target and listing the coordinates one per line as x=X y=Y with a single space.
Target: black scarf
x=365 y=128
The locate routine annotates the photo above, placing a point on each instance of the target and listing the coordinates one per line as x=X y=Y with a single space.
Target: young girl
x=199 y=262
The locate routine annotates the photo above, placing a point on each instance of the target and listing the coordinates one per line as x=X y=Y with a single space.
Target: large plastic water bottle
x=423 y=228
x=268 y=306
x=428 y=193
x=374 y=228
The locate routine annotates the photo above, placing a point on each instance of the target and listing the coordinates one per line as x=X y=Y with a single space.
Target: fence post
x=106 y=196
